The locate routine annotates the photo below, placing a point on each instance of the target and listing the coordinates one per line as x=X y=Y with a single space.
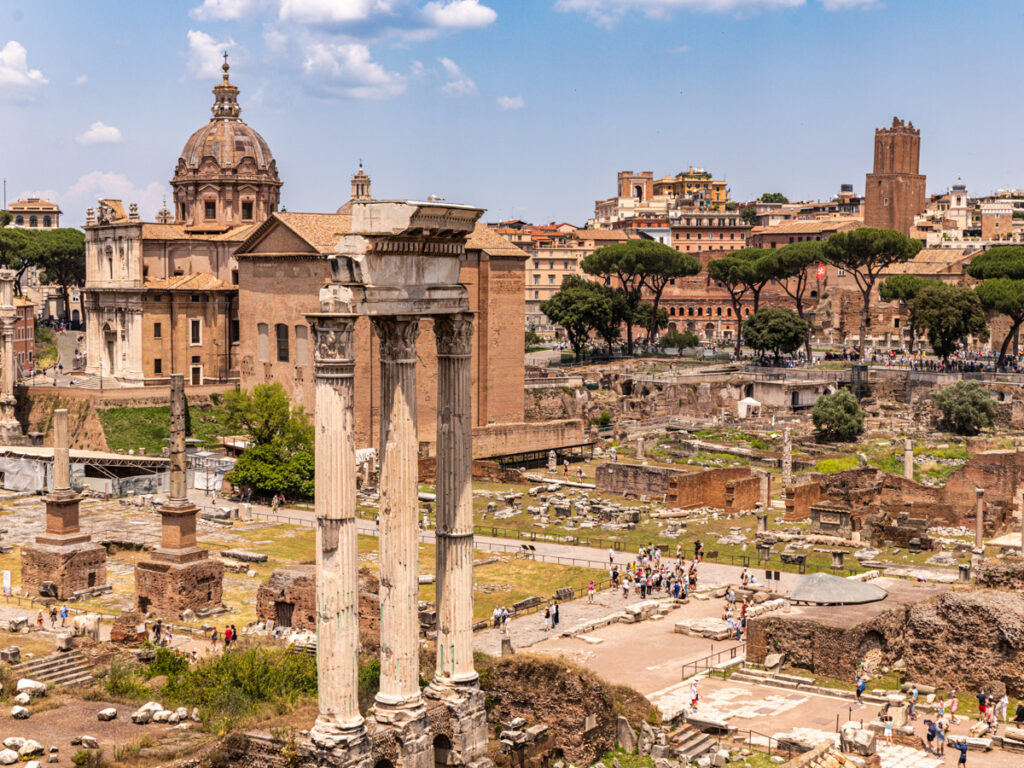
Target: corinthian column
x=399 y=699
x=337 y=546
x=454 y=535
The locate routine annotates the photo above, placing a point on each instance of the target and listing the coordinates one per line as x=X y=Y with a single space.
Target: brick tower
x=894 y=192
x=63 y=560
x=180 y=574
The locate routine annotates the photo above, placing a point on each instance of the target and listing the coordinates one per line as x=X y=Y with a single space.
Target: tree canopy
x=775 y=329
x=789 y=265
x=1000 y=261
x=280 y=456
x=60 y=253
x=838 y=416
x=904 y=288
x=966 y=408
x=773 y=197
x=679 y=341
x=865 y=253
x=581 y=306
x=1002 y=270
x=948 y=314
x=740 y=272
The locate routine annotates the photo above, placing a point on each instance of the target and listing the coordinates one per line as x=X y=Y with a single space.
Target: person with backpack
x=861 y=686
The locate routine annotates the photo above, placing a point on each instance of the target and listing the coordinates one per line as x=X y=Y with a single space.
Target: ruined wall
x=741 y=495
x=634 y=479
x=71 y=568
x=167 y=589
x=707 y=488
x=799 y=499
x=502 y=439
x=1004 y=573
x=296 y=585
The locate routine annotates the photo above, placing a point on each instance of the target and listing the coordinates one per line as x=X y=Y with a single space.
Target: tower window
x=195 y=331
x=211 y=209
x=158 y=365
x=281 y=330
x=247 y=211
x=157 y=330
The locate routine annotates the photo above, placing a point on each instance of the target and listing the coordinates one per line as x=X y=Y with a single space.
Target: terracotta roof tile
x=485 y=239
x=197 y=281
x=320 y=230
x=812 y=227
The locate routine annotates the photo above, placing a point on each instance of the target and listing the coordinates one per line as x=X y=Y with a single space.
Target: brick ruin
x=63 y=562
x=179 y=575
x=288 y=599
x=887 y=507
x=731 y=489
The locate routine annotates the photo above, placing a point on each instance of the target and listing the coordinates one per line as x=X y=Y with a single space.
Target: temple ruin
x=400 y=263
x=180 y=575
x=10 y=428
x=64 y=562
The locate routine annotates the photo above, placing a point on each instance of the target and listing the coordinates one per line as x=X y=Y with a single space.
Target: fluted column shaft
x=399 y=697
x=337 y=545
x=454 y=535
x=61 y=452
x=9 y=365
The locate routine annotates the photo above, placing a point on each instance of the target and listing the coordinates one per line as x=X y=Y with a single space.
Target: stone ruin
x=10 y=427
x=179 y=575
x=288 y=599
x=63 y=563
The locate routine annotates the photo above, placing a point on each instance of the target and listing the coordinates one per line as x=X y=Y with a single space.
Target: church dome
x=226 y=174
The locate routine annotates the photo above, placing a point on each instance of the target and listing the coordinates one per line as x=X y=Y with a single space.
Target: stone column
x=979 y=519
x=61 y=452
x=787 y=458
x=9 y=426
x=908 y=458
x=399 y=699
x=454 y=536
x=640 y=447
x=176 y=443
x=337 y=548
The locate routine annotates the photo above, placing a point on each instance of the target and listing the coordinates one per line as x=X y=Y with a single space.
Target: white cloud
x=14 y=70
x=680 y=49
x=226 y=10
x=350 y=68
x=331 y=11
x=607 y=12
x=206 y=54
x=459 y=14
x=100 y=133
x=511 y=102
x=845 y=5
x=458 y=83
x=81 y=80
x=417 y=70
x=87 y=189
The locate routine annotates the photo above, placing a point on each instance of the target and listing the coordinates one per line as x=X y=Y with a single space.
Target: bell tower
x=361 y=184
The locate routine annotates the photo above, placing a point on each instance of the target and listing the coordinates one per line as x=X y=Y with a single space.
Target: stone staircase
x=69 y=668
x=689 y=744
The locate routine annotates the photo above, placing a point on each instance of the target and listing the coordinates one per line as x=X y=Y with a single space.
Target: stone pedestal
x=63 y=556
x=179 y=575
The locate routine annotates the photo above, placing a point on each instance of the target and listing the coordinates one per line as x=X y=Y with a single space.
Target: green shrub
x=966 y=408
x=603 y=420
x=838 y=416
x=89 y=758
x=166 y=662
x=122 y=681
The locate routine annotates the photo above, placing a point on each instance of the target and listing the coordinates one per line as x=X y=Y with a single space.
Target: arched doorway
x=384 y=763
x=75 y=317
x=794 y=399
x=442 y=751
x=109 y=344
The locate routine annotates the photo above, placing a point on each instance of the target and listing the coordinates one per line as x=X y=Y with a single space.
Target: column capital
x=333 y=347
x=398 y=334
x=454 y=334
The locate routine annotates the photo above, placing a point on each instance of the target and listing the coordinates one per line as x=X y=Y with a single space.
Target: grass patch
x=627 y=759
x=836 y=465
x=149 y=427
x=46 y=348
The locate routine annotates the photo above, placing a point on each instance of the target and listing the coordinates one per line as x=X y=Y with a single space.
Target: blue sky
x=525 y=107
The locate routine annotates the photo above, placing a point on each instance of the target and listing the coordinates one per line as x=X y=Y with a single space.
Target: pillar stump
x=455 y=680
x=179 y=575
x=64 y=558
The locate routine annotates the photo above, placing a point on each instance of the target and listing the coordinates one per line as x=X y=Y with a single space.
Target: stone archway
x=871 y=651
x=109 y=347
x=442 y=751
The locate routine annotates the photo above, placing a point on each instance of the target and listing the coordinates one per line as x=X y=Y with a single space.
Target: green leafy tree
x=775 y=329
x=966 y=408
x=679 y=341
x=635 y=265
x=904 y=288
x=865 y=253
x=744 y=271
x=532 y=339
x=790 y=265
x=61 y=255
x=15 y=252
x=1002 y=270
x=647 y=317
x=773 y=197
x=580 y=306
x=280 y=454
x=749 y=215
x=838 y=416
x=948 y=314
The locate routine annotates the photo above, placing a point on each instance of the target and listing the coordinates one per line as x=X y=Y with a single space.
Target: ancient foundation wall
x=521 y=437
x=167 y=589
x=1004 y=573
x=707 y=488
x=636 y=480
x=70 y=568
x=295 y=585
x=799 y=499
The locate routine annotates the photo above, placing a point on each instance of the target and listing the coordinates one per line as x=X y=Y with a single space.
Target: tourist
x=579 y=475
x=611 y=556
x=554 y=615
x=234 y=632
x=496 y=616
x=962 y=747
x=547 y=617
x=954 y=703
x=156 y=632
x=914 y=695
x=168 y=640
x=694 y=696
x=625 y=587
x=1018 y=717
x=228 y=637
x=590 y=591
x=504 y=619
x=1001 y=707
x=861 y=685
x=64 y=615
x=213 y=639
x=930 y=735
x=39 y=620
x=982 y=704
x=888 y=730
x=940 y=737
x=53 y=617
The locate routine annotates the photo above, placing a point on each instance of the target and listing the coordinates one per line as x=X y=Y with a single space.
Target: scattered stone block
x=107 y=714
x=19 y=713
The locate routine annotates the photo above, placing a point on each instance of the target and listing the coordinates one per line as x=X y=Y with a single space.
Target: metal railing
x=554 y=538
x=712 y=659
x=778 y=749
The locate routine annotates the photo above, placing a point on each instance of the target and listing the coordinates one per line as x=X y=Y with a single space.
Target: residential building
x=695 y=187
x=24 y=336
x=800 y=231
x=709 y=232
x=639 y=195
x=34 y=213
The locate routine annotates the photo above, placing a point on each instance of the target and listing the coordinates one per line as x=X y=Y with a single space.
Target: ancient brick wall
x=295 y=585
x=634 y=479
x=799 y=499
x=742 y=495
x=503 y=439
x=167 y=589
x=70 y=568
x=707 y=488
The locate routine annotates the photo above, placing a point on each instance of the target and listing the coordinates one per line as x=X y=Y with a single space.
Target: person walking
x=861 y=685
x=547 y=617
x=611 y=556
x=64 y=615
x=914 y=695
x=555 y=618
x=53 y=617
x=1001 y=706
x=930 y=735
x=961 y=746
x=590 y=592
x=940 y=737
x=888 y=730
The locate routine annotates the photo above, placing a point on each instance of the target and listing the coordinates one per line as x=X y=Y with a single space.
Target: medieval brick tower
x=894 y=193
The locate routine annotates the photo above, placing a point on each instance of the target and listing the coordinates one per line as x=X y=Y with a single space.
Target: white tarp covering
x=23 y=474
x=748 y=407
